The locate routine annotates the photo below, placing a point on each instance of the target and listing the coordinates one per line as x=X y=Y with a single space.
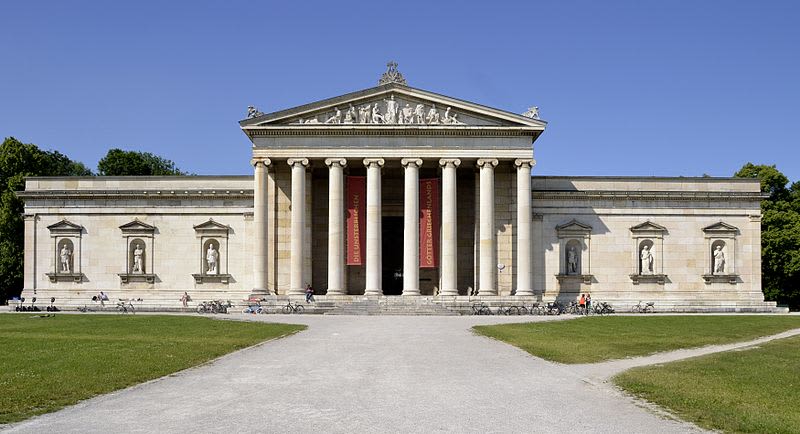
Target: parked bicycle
x=293 y=308
x=602 y=308
x=125 y=306
x=554 y=308
x=648 y=307
x=214 y=306
x=481 y=309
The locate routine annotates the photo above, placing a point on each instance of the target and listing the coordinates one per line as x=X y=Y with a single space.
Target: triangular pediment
x=137 y=226
x=648 y=226
x=211 y=225
x=574 y=226
x=393 y=105
x=65 y=226
x=721 y=227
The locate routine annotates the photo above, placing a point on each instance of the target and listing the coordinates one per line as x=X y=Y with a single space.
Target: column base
x=336 y=292
x=411 y=292
x=373 y=292
x=259 y=292
x=297 y=291
x=448 y=292
x=525 y=292
x=486 y=292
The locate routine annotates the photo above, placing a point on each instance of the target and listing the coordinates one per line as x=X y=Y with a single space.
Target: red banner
x=429 y=210
x=356 y=202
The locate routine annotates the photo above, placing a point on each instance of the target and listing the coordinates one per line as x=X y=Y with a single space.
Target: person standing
x=588 y=302
x=582 y=303
x=185 y=299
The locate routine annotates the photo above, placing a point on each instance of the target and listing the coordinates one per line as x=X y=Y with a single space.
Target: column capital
x=255 y=161
x=490 y=162
x=377 y=161
x=448 y=162
x=331 y=162
x=525 y=163
x=415 y=161
x=294 y=161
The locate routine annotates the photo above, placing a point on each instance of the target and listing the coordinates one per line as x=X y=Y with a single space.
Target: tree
x=780 y=234
x=18 y=160
x=132 y=163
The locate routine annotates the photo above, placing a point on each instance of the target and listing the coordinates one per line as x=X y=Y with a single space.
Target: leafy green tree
x=780 y=234
x=133 y=163
x=18 y=160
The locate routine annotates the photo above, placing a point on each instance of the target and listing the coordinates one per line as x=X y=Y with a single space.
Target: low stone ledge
x=584 y=278
x=729 y=278
x=129 y=278
x=212 y=278
x=648 y=278
x=65 y=277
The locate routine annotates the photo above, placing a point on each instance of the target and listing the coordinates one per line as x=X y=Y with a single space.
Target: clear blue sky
x=667 y=88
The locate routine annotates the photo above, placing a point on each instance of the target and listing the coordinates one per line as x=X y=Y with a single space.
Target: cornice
x=649 y=195
x=383 y=131
x=136 y=194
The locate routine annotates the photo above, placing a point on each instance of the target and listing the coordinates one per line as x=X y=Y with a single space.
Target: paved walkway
x=367 y=374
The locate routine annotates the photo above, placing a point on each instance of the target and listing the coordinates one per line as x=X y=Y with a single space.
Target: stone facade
x=679 y=241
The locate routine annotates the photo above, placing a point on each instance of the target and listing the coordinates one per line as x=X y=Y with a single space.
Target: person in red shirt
x=582 y=303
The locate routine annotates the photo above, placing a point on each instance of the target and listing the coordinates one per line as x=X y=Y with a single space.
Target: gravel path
x=368 y=374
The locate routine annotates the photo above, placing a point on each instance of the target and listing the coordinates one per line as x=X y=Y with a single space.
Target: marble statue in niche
x=212 y=256
x=647 y=260
x=433 y=115
x=350 y=115
x=572 y=261
x=336 y=118
x=391 y=111
x=408 y=114
x=719 y=260
x=66 y=259
x=419 y=114
x=138 y=265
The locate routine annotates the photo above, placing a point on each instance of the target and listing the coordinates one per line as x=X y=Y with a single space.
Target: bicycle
x=649 y=307
x=85 y=309
x=603 y=308
x=293 y=308
x=122 y=307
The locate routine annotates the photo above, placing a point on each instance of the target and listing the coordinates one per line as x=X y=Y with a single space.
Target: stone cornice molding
x=525 y=163
x=295 y=161
x=487 y=162
x=340 y=162
x=368 y=130
x=255 y=161
x=411 y=161
x=136 y=194
x=370 y=161
x=448 y=162
x=648 y=195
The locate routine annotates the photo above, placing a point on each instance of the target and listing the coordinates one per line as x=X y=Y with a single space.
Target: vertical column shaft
x=486 y=283
x=411 y=226
x=336 y=226
x=374 y=278
x=449 y=265
x=260 y=223
x=524 y=226
x=298 y=166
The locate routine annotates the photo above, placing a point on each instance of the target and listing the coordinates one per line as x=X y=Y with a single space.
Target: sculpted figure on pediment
x=433 y=115
x=363 y=114
x=408 y=114
x=391 y=111
x=350 y=115
x=336 y=118
x=377 y=117
x=311 y=121
x=450 y=119
x=419 y=114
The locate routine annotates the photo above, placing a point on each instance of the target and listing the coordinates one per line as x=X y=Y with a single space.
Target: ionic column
x=260 y=222
x=411 y=226
x=486 y=282
x=374 y=255
x=298 y=166
x=449 y=234
x=524 y=226
x=336 y=225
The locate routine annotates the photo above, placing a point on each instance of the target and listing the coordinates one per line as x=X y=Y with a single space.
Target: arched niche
x=647 y=262
x=212 y=233
x=69 y=236
x=721 y=235
x=574 y=243
x=650 y=235
x=139 y=252
x=137 y=256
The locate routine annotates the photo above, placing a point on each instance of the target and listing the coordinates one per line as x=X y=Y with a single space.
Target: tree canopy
x=18 y=160
x=780 y=234
x=133 y=163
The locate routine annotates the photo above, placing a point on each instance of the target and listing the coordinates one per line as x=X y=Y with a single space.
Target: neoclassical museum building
x=396 y=191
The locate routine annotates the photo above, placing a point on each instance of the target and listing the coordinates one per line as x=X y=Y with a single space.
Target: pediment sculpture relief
x=389 y=111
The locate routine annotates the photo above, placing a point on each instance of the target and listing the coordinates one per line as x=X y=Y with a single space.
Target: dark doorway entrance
x=392 y=255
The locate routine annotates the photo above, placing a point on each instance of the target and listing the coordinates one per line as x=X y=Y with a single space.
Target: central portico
x=473 y=217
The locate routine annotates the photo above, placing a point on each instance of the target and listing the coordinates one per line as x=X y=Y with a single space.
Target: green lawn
x=594 y=339
x=750 y=391
x=49 y=363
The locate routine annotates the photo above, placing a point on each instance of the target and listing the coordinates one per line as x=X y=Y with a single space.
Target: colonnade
x=487 y=282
